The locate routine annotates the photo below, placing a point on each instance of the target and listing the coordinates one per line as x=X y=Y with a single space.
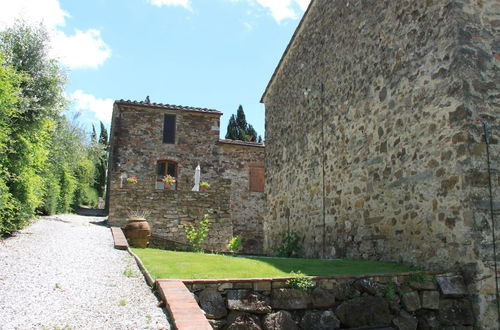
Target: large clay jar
x=137 y=232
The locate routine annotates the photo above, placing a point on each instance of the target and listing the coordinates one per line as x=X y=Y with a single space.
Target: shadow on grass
x=327 y=267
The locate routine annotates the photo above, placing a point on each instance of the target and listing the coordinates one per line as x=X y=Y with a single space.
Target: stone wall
x=136 y=146
x=404 y=302
x=374 y=142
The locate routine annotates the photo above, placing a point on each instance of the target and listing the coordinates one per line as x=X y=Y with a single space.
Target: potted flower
x=137 y=229
x=132 y=180
x=204 y=186
x=169 y=181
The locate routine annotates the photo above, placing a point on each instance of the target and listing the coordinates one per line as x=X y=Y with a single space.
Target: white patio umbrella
x=197 y=176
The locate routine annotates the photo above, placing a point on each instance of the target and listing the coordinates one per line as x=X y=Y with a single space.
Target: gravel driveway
x=63 y=273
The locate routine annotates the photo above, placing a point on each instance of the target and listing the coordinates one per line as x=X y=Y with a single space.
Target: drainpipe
x=322 y=105
x=487 y=135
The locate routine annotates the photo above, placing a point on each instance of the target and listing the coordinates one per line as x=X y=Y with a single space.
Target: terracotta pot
x=137 y=232
x=203 y=188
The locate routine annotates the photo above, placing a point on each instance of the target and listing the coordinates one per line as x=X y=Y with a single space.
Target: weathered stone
x=281 y=320
x=262 y=286
x=344 y=291
x=405 y=321
x=322 y=298
x=225 y=286
x=245 y=322
x=452 y=286
x=248 y=301
x=455 y=312
x=364 y=311
x=427 y=320
x=212 y=303
x=430 y=299
x=427 y=285
x=404 y=92
x=290 y=299
x=218 y=324
x=411 y=301
x=368 y=286
x=319 y=320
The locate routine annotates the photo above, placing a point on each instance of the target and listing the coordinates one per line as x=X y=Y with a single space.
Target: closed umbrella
x=197 y=176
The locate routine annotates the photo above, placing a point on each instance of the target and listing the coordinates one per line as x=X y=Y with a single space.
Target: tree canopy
x=47 y=164
x=239 y=129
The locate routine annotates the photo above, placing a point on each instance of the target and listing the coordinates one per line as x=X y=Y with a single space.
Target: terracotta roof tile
x=242 y=143
x=167 y=106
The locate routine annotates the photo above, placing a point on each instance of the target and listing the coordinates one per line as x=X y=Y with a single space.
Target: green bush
x=52 y=194
x=66 y=198
x=196 y=234
x=290 y=245
x=300 y=281
x=234 y=244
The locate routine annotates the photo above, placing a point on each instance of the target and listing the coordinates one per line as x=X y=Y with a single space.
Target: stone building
x=375 y=147
x=150 y=140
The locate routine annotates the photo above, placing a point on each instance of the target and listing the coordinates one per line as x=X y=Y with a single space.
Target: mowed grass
x=189 y=265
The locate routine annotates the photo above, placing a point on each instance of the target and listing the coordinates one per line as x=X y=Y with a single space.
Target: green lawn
x=163 y=264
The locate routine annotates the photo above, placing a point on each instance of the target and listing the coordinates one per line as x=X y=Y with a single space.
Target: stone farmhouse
x=150 y=140
x=375 y=145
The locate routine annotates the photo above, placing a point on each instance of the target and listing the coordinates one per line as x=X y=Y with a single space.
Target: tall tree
x=239 y=129
x=102 y=162
x=93 y=135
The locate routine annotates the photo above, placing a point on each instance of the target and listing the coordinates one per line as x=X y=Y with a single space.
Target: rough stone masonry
x=374 y=139
x=150 y=140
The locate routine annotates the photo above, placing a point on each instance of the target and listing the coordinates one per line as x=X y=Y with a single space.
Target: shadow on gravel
x=103 y=223
x=91 y=212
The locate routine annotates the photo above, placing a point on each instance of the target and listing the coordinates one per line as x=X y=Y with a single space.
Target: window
x=169 y=129
x=257 y=178
x=163 y=168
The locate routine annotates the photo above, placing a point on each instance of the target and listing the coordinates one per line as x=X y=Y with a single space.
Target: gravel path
x=63 y=273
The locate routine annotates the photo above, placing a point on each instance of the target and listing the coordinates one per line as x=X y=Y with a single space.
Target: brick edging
x=149 y=279
x=181 y=305
x=119 y=240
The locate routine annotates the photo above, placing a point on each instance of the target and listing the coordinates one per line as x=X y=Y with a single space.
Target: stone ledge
x=120 y=242
x=332 y=277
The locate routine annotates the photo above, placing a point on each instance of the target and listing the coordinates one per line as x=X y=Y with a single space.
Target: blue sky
x=204 y=53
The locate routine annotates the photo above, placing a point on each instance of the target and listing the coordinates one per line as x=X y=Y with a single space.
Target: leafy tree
x=46 y=166
x=239 y=129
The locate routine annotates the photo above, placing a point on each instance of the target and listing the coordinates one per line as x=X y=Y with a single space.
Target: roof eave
x=166 y=107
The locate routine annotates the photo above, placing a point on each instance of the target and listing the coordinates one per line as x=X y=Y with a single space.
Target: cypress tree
x=239 y=129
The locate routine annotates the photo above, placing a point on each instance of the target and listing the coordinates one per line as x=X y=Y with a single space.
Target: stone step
x=120 y=242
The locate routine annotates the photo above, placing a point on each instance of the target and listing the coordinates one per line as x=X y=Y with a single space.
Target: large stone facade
x=374 y=140
x=229 y=166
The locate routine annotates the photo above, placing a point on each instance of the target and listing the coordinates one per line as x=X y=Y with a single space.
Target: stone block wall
x=374 y=140
x=401 y=302
x=137 y=145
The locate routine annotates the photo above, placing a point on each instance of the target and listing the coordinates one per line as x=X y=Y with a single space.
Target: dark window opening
x=169 y=129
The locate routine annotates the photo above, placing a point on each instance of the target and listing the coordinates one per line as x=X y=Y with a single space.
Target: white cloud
x=281 y=9
x=160 y=3
x=102 y=108
x=82 y=49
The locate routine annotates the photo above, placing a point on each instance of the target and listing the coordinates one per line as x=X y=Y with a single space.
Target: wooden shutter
x=257 y=178
x=169 y=129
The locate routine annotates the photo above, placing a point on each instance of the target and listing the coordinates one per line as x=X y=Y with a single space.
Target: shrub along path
x=62 y=272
